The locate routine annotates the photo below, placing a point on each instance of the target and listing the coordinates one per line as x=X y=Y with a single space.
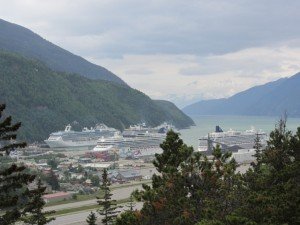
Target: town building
x=58 y=196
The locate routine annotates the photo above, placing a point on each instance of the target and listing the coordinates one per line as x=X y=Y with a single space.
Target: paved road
x=118 y=194
x=80 y=217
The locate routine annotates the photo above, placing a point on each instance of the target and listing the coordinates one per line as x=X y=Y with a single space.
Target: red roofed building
x=56 y=196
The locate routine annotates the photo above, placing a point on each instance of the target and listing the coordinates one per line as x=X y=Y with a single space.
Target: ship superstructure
x=136 y=140
x=78 y=139
x=109 y=143
x=140 y=129
x=231 y=140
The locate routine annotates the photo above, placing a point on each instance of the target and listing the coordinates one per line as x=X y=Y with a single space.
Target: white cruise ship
x=231 y=140
x=87 y=138
x=109 y=143
x=135 y=130
x=137 y=140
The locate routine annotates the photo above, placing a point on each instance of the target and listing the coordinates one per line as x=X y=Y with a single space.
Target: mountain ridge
x=21 y=40
x=270 y=99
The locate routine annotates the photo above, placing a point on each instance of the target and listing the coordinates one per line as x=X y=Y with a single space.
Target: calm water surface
x=206 y=124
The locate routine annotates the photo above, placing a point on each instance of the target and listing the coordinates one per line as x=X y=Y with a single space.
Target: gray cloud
x=114 y=28
x=139 y=71
x=245 y=63
x=187 y=48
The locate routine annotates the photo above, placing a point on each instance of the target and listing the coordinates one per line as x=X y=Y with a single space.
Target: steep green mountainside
x=271 y=99
x=18 y=39
x=173 y=114
x=45 y=101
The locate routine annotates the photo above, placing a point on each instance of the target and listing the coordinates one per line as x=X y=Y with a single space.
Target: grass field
x=99 y=194
x=84 y=208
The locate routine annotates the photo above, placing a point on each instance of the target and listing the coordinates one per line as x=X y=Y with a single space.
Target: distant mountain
x=271 y=99
x=45 y=100
x=18 y=39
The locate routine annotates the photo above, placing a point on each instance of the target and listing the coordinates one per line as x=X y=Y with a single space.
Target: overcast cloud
x=182 y=51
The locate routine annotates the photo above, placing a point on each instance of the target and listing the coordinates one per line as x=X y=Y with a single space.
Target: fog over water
x=206 y=124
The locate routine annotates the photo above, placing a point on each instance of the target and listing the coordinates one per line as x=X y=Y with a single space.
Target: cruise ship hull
x=138 y=146
x=60 y=144
x=86 y=139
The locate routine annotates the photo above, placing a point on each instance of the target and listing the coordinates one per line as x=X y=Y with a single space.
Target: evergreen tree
x=166 y=201
x=52 y=180
x=12 y=178
x=129 y=218
x=14 y=193
x=108 y=206
x=213 y=185
x=15 y=196
x=258 y=151
x=37 y=216
x=95 y=180
x=8 y=134
x=52 y=163
x=272 y=189
x=174 y=153
x=193 y=189
x=131 y=204
x=91 y=219
x=190 y=187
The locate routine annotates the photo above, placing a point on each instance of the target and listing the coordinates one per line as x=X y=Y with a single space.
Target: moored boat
x=231 y=140
x=87 y=138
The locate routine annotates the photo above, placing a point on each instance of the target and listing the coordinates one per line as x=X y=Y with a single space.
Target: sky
x=178 y=50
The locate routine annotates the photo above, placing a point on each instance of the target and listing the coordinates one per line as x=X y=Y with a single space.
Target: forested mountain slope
x=45 y=100
x=18 y=39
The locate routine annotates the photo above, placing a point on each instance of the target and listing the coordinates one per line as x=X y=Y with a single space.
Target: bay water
x=207 y=124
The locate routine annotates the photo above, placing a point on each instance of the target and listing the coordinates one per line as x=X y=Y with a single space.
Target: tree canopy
x=17 y=200
x=193 y=189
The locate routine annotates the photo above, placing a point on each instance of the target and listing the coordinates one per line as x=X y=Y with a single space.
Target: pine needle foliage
x=194 y=189
x=108 y=206
x=17 y=200
x=37 y=215
x=8 y=133
x=131 y=204
x=13 y=180
x=91 y=219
